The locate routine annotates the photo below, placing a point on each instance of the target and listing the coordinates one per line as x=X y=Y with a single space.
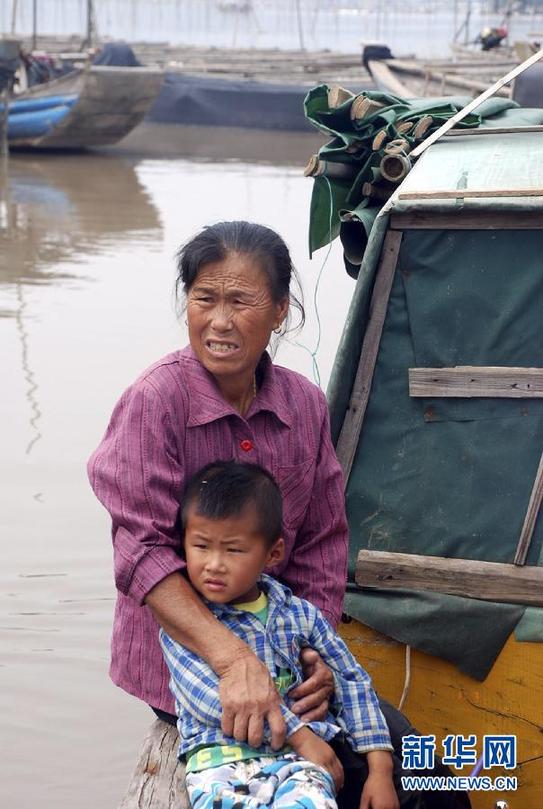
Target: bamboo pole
x=300 y=25
x=34 y=24
x=13 y=16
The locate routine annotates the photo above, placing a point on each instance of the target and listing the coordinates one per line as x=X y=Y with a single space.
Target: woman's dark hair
x=226 y=488
x=215 y=242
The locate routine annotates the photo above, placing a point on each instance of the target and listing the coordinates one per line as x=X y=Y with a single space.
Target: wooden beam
x=463 y=219
x=489 y=581
x=472 y=193
x=352 y=423
x=534 y=507
x=467 y=381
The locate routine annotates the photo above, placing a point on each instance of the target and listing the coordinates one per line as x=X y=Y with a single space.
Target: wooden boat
x=457 y=580
x=91 y=106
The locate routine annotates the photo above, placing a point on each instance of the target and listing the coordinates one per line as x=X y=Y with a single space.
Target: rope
x=407 y=681
x=313 y=354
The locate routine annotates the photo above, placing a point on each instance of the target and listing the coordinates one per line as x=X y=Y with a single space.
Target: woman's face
x=230 y=315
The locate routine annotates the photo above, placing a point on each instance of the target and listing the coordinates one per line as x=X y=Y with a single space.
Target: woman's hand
x=313 y=695
x=248 y=696
x=379 y=791
x=311 y=747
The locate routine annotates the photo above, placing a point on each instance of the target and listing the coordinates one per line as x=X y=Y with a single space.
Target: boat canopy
x=443 y=475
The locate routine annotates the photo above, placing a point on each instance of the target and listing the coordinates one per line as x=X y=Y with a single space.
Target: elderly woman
x=221 y=397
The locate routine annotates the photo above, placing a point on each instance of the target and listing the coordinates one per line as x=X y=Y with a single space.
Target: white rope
x=407 y=681
x=313 y=354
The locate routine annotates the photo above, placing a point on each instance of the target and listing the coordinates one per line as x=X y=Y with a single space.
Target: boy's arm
x=195 y=687
x=311 y=747
x=356 y=705
x=379 y=791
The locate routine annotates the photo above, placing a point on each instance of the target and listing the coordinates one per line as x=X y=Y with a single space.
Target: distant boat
x=91 y=106
x=432 y=77
x=235 y=5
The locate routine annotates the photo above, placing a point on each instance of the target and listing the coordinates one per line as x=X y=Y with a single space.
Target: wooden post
x=34 y=24
x=159 y=778
x=352 y=423
x=4 y=98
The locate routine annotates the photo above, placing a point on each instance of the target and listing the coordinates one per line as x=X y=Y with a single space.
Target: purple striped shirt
x=172 y=421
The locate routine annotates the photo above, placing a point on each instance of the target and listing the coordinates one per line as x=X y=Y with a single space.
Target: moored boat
x=90 y=106
x=436 y=412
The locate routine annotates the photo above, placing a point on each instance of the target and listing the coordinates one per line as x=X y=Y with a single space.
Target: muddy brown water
x=86 y=276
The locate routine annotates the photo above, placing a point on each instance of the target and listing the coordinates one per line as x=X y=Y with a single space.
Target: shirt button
x=246 y=445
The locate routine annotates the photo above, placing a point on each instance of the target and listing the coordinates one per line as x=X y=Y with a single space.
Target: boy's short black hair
x=226 y=488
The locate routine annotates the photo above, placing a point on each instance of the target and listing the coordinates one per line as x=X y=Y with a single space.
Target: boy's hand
x=311 y=747
x=379 y=791
x=248 y=696
x=312 y=696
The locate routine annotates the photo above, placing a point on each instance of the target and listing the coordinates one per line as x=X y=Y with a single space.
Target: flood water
x=86 y=278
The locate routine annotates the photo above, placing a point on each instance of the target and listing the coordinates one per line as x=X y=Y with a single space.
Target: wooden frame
x=511 y=583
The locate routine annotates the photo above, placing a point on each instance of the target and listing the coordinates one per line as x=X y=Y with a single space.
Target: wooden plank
x=159 y=778
x=352 y=423
x=466 y=381
x=465 y=193
x=493 y=130
x=488 y=581
x=488 y=93
x=467 y=220
x=534 y=507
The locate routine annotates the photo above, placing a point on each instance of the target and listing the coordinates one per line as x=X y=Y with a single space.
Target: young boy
x=231 y=523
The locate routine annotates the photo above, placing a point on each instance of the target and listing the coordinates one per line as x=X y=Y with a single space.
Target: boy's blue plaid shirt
x=292 y=624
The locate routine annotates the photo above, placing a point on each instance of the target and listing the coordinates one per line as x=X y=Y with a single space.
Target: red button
x=246 y=445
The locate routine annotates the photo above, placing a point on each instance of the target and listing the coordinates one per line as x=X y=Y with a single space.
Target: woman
x=220 y=397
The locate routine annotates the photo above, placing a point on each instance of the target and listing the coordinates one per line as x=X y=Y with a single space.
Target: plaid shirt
x=292 y=624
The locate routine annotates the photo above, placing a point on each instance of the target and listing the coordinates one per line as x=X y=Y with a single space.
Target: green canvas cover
x=448 y=476
x=338 y=206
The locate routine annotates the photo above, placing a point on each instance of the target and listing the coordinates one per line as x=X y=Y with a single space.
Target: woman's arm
x=246 y=690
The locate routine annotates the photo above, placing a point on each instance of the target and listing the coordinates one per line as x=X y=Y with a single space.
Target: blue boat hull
x=34 y=118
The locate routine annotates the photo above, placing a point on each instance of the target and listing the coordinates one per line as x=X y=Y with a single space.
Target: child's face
x=225 y=557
